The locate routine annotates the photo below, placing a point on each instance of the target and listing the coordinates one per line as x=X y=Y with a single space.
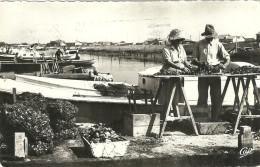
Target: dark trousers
x=215 y=92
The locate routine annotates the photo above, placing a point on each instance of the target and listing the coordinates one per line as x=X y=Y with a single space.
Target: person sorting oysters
x=211 y=52
x=175 y=62
x=174 y=55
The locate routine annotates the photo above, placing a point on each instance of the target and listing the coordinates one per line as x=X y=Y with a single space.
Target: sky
x=124 y=21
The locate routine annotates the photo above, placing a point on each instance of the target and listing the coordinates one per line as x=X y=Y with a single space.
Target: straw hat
x=176 y=34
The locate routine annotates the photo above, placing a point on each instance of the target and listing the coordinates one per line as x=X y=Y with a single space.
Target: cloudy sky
x=128 y=21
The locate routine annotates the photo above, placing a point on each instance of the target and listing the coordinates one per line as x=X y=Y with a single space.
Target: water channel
x=122 y=69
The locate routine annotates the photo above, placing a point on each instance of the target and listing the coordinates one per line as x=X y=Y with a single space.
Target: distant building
x=74 y=45
x=105 y=43
x=78 y=44
x=250 y=40
x=56 y=43
x=123 y=43
x=226 y=38
x=95 y=44
x=223 y=37
x=153 y=41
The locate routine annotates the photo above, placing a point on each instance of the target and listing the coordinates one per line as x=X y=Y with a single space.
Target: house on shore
x=226 y=38
x=74 y=45
x=56 y=43
x=250 y=40
x=258 y=38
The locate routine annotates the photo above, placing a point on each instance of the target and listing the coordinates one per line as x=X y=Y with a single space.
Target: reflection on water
x=124 y=70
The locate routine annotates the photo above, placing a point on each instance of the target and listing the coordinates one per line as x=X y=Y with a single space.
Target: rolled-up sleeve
x=223 y=52
x=166 y=55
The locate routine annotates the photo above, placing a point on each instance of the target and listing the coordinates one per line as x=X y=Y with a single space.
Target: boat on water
x=33 y=55
x=68 y=89
x=28 y=65
x=81 y=76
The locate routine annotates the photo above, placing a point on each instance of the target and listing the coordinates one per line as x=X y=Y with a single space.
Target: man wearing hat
x=174 y=61
x=210 y=51
x=174 y=55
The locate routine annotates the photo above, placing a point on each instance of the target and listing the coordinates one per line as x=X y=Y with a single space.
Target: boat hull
x=29 y=66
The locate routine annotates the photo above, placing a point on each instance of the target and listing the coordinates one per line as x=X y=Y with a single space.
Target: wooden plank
x=177 y=118
x=250 y=116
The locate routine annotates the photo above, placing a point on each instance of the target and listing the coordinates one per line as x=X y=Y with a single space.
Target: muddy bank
x=140 y=52
x=153 y=53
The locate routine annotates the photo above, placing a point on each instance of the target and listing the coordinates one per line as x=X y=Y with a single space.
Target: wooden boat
x=74 y=90
x=33 y=55
x=7 y=57
x=63 y=62
x=29 y=66
x=81 y=76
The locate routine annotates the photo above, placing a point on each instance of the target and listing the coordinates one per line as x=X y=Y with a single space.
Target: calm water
x=125 y=70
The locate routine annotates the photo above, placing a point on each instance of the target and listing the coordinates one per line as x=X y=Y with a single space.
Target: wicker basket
x=108 y=149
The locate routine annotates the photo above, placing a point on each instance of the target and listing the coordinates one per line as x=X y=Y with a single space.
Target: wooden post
x=245 y=138
x=14 y=95
x=41 y=69
x=20 y=145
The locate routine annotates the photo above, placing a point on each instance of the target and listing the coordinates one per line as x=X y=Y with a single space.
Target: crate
x=141 y=124
x=212 y=128
x=107 y=149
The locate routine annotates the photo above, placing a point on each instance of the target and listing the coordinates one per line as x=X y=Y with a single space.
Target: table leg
x=223 y=96
x=244 y=86
x=256 y=90
x=168 y=108
x=245 y=92
x=236 y=90
x=158 y=91
x=189 y=109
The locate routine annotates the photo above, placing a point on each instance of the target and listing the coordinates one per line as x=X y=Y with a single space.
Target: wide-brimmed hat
x=209 y=31
x=176 y=34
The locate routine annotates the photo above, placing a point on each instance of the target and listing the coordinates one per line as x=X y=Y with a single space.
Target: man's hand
x=185 y=69
x=221 y=66
x=210 y=67
x=196 y=62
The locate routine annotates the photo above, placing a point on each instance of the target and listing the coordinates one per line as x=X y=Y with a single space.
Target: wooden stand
x=245 y=81
x=177 y=82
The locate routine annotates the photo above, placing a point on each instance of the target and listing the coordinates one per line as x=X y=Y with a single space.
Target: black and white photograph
x=129 y=83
